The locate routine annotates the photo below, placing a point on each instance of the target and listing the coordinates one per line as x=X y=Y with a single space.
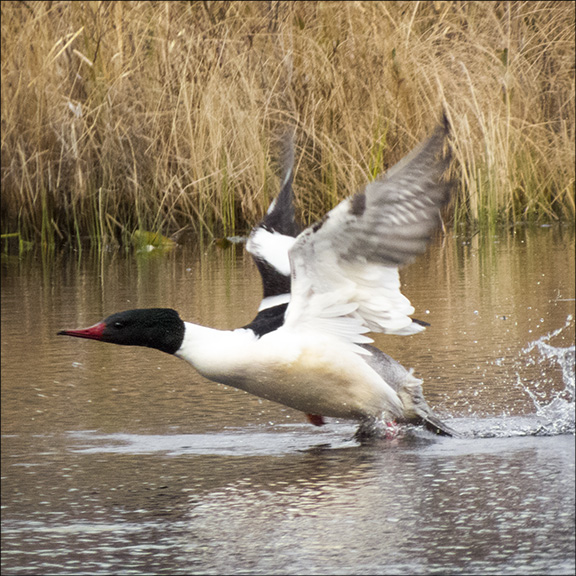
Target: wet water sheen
x=120 y=460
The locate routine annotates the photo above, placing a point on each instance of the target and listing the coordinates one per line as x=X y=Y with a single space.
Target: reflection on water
x=124 y=460
x=418 y=505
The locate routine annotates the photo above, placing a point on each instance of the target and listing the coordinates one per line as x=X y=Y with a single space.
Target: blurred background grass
x=165 y=116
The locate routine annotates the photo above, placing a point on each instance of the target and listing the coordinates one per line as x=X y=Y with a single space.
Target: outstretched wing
x=345 y=268
x=271 y=240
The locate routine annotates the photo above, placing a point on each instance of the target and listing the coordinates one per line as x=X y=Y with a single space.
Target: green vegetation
x=161 y=116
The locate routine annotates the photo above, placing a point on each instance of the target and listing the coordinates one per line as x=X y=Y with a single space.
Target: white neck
x=219 y=355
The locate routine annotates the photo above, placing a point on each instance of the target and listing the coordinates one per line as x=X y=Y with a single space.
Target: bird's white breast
x=313 y=373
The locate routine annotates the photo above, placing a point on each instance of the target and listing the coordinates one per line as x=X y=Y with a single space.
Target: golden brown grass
x=118 y=116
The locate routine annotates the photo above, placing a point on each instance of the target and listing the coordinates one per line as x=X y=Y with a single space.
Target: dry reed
x=161 y=116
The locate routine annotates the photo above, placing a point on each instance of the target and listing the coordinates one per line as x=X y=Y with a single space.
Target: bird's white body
x=311 y=372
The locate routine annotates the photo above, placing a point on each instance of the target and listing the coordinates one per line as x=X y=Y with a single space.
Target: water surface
x=124 y=460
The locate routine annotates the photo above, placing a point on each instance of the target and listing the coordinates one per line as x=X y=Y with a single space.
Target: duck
x=326 y=287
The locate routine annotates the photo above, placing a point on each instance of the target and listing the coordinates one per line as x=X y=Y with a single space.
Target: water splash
x=554 y=414
x=557 y=414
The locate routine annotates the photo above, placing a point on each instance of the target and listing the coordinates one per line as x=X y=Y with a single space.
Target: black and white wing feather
x=345 y=277
x=271 y=240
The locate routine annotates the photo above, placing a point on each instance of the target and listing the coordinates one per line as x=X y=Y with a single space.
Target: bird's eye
x=118 y=325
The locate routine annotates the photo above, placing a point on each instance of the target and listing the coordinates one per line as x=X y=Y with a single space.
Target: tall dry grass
x=162 y=116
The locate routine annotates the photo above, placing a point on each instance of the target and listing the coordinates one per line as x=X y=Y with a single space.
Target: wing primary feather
x=270 y=241
x=353 y=254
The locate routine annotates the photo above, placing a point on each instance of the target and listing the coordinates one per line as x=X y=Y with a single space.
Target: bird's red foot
x=315 y=419
x=392 y=430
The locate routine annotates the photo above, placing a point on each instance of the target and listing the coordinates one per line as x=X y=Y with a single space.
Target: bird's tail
x=434 y=424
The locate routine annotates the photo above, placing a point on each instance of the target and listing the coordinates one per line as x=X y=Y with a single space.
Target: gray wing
x=392 y=219
x=345 y=268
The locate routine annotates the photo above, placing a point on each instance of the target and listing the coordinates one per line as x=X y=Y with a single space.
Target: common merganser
x=325 y=288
